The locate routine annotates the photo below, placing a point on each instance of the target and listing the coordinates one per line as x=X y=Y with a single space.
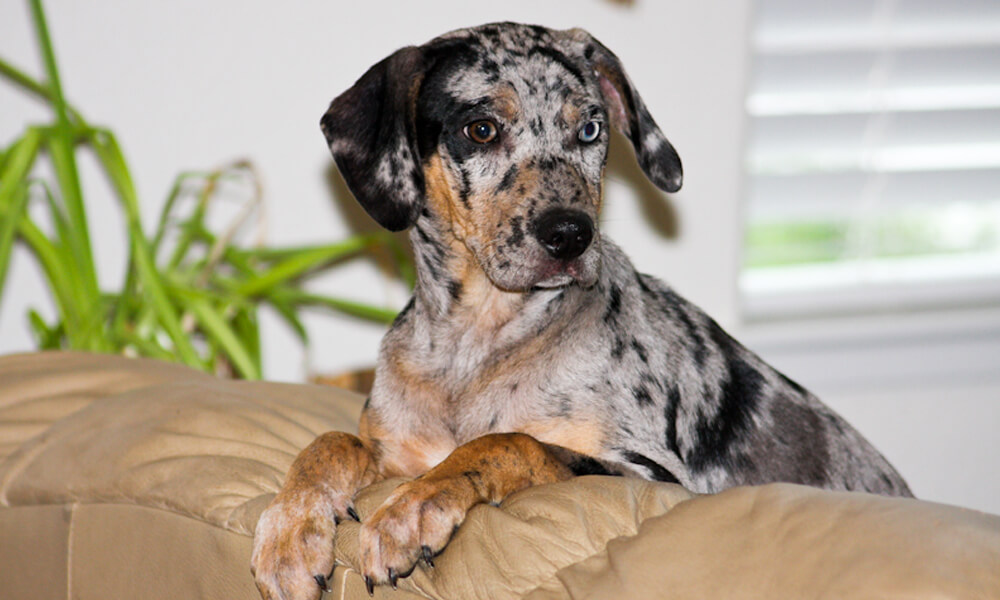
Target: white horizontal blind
x=874 y=151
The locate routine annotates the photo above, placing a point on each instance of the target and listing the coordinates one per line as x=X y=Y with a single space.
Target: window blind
x=873 y=158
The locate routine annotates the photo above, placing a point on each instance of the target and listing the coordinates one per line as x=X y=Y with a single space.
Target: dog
x=532 y=350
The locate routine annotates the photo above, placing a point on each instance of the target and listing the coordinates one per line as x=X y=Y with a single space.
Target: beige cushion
x=159 y=435
x=133 y=478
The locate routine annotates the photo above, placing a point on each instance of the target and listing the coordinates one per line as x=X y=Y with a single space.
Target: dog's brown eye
x=481 y=132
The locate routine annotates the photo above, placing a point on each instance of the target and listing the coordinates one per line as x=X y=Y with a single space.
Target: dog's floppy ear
x=628 y=113
x=370 y=130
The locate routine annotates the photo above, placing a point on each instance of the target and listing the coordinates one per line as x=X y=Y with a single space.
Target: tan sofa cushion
x=789 y=541
x=160 y=435
x=131 y=478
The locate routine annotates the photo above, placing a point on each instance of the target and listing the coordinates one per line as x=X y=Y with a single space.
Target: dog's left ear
x=628 y=113
x=370 y=132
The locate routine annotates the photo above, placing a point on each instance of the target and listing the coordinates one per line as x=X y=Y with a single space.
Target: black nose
x=564 y=234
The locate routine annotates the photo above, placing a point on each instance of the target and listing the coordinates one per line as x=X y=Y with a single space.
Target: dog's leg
x=418 y=519
x=293 y=542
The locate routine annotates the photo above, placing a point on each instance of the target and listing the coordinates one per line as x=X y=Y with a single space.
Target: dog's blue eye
x=481 y=132
x=590 y=131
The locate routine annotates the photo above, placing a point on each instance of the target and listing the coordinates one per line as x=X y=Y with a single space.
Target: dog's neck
x=454 y=293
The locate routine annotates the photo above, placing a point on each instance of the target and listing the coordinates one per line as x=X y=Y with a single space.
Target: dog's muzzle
x=565 y=234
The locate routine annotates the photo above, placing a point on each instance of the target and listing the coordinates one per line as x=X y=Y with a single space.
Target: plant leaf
x=111 y=158
x=303 y=261
x=247 y=328
x=351 y=307
x=287 y=312
x=215 y=326
x=14 y=194
x=46 y=337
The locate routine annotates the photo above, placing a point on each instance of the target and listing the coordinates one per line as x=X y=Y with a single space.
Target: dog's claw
x=370 y=585
x=353 y=514
x=321 y=582
x=428 y=555
x=393 y=578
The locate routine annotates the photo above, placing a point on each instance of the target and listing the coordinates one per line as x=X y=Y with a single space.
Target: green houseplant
x=189 y=294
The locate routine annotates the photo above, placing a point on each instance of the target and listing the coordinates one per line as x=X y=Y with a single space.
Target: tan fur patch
x=503 y=462
x=570 y=113
x=406 y=455
x=413 y=456
x=338 y=458
x=442 y=193
x=585 y=437
x=485 y=307
x=506 y=102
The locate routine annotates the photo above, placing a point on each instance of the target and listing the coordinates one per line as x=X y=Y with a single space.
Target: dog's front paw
x=293 y=544
x=415 y=522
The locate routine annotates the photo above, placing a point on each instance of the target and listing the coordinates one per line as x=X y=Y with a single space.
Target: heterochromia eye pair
x=484 y=132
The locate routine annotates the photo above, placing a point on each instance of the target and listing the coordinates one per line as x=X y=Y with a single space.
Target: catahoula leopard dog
x=532 y=350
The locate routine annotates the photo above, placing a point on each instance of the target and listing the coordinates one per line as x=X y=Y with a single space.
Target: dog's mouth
x=535 y=265
x=556 y=273
x=540 y=271
x=568 y=241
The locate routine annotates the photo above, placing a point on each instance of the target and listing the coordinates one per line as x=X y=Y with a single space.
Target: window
x=874 y=155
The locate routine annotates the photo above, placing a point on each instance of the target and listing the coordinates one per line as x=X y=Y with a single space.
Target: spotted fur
x=525 y=319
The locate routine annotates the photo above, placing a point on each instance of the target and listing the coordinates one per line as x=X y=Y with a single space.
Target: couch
x=132 y=478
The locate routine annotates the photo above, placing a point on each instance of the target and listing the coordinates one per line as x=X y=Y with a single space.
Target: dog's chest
x=525 y=387
x=505 y=363
x=548 y=408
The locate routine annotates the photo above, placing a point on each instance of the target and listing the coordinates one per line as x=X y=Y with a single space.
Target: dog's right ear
x=370 y=130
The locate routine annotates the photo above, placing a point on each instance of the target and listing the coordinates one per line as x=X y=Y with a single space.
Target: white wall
x=193 y=85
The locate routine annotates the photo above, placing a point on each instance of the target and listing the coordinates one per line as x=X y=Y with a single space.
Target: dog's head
x=500 y=134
